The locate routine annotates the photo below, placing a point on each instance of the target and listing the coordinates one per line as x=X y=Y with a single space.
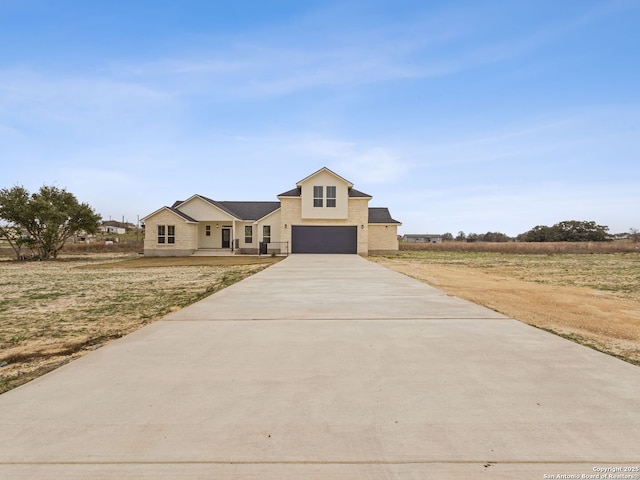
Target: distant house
x=422 y=238
x=113 y=230
x=322 y=214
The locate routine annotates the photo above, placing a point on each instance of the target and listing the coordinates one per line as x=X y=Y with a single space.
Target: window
x=207 y=230
x=318 y=196
x=266 y=233
x=248 y=234
x=331 y=196
x=167 y=234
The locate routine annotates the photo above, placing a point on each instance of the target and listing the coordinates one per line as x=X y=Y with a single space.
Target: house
x=112 y=229
x=422 y=238
x=322 y=214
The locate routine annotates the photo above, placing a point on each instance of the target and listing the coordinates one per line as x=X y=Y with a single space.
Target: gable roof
x=296 y=192
x=250 y=211
x=173 y=210
x=324 y=169
x=381 y=215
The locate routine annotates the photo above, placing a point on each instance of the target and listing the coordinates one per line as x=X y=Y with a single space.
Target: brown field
x=54 y=311
x=593 y=299
x=543 y=248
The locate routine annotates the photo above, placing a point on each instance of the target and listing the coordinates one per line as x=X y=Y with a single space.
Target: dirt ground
x=594 y=301
x=55 y=311
x=52 y=312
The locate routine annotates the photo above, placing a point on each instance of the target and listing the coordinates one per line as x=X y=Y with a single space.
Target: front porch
x=277 y=248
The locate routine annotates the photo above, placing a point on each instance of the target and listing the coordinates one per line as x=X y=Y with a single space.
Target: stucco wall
x=383 y=238
x=200 y=209
x=240 y=234
x=325 y=179
x=215 y=239
x=186 y=235
x=275 y=221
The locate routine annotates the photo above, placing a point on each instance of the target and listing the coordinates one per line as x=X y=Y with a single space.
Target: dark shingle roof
x=357 y=193
x=249 y=210
x=244 y=210
x=380 y=215
x=291 y=193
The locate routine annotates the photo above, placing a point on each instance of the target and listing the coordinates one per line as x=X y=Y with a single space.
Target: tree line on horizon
x=565 y=231
x=43 y=221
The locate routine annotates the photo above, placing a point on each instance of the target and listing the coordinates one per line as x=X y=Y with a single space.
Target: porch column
x=233 y=235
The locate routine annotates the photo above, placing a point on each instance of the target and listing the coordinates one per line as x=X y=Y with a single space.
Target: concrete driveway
x=327 y=367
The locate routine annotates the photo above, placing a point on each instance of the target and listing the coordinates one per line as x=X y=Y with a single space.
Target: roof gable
x=175 y=211
x=296 y=192
x=247 y=211
x=195 y=203
x=325 y=170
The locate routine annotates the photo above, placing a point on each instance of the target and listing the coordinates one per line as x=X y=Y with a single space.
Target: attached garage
x=318 y=239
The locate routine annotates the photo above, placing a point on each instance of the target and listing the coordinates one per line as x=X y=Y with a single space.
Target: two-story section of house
x=323 y=214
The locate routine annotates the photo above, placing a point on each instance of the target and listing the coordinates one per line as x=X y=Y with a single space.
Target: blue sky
x=457 y=115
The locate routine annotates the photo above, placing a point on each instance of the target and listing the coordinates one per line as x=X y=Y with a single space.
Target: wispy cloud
x=263 y=66
x=361 y=162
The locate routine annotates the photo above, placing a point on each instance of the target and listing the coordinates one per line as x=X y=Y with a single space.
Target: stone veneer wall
x=291 y=214
x=359 y=214
x=383 y=238
x=186 y=236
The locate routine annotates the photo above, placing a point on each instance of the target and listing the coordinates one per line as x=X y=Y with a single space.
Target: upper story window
x=318 y=196
x=248 y=234
x=331 y=196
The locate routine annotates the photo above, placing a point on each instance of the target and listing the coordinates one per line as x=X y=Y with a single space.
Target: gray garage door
x=306 y=239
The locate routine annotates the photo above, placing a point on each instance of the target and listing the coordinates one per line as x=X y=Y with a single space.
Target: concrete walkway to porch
x=327 y=366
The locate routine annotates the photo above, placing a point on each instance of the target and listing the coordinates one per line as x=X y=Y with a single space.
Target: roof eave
x=176 y=212
x=267 y=215
x=324 y=169
x=214 y=203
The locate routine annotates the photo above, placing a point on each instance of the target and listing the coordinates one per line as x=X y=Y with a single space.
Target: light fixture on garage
x=362 y=227
x=217 y=225
x=285 y=225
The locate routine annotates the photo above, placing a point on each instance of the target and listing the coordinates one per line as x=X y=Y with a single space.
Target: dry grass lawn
x=593 y=299
x=52 y=312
